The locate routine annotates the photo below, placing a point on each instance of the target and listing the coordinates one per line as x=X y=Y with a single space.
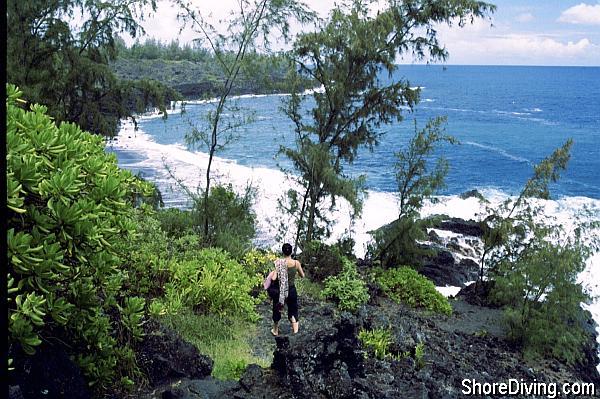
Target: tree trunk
x=302 y=210
x=311 y=218
x=211 y=154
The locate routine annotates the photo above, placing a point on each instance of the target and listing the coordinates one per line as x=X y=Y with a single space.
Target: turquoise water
x=506 y=119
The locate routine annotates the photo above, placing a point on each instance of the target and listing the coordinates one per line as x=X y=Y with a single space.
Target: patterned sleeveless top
x=282 y=276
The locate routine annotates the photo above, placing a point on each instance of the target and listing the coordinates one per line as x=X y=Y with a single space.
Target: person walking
x=284 y=276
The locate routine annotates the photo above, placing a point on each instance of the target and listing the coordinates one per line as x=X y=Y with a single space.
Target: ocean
x=506 y=119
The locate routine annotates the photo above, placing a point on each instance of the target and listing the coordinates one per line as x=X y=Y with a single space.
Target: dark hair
x=286 y=249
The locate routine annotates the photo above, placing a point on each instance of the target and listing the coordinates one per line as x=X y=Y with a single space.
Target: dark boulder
x=479 y=294
x=473 y=194
x=442 y=268
x=207 y=388
x=323 y=367
x=460 y=226
x=49 y=373
x=326 y=360
x=164 y=356
x=434 y=237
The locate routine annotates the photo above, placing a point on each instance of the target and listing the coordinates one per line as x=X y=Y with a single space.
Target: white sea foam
x=213 y=100
x=379 y=208
x=156 y=113
x=448 y=291
x=500 y=151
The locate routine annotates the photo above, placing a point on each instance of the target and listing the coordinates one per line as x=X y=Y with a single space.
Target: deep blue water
x=506 y=119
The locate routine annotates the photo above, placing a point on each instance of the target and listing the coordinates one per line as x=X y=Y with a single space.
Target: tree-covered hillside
x=195 y=73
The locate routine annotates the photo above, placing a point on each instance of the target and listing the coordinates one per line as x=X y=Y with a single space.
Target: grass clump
x=378 y=341
x=225 y=340
x=406 y=285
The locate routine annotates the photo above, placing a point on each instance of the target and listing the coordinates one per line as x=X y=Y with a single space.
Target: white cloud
x=581 y=14
x=524 y=49
x=500 y=44
x=522 y=45
x=525 y=17
x=164 y=25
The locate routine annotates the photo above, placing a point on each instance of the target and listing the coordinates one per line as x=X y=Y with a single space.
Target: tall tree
x=347 y=55
x=396 y=243
x=67 y=68
x=535 y=265
x=254 y=20
x=508 y=225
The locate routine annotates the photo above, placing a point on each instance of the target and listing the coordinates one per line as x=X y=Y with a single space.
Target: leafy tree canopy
x=66 y=68
x=347 y=56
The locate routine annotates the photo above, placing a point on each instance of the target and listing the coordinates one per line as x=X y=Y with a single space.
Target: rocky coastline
x=326 y=359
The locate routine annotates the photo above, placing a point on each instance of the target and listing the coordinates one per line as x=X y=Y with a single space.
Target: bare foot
x=274 y=332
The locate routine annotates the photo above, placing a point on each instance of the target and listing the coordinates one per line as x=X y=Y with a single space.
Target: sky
x=541 y=32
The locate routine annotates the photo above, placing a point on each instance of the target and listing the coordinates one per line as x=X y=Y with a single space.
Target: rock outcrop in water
x=444 y=269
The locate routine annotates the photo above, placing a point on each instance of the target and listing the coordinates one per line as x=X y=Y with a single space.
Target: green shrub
x=213 y=282
x=133 y=316
x=542 y=299
x=231 y=219
x=258 y=262
x=146 y=254
x=69 y=207
x=320 y=260
x=186 y=246
x=407 y=286
x=345 y=247
x=176 y=222
x=309 y=288
x=397 y=242
x=347 y=288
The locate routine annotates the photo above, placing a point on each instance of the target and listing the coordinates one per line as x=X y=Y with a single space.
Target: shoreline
x=379 y=208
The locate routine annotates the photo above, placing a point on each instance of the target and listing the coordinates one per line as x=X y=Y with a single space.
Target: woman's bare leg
x=294 y=325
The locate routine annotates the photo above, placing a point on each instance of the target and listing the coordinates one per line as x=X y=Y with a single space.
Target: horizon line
x=498 y=65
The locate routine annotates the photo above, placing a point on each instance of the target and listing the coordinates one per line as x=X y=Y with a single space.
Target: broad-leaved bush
x=68 y=205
